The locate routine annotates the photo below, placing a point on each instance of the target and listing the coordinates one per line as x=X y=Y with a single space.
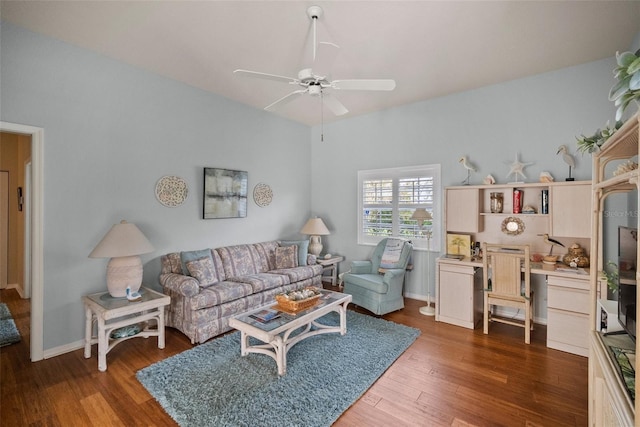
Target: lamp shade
x=421 y=215
x=315 y=227
x=123 y=244
x=124 y=239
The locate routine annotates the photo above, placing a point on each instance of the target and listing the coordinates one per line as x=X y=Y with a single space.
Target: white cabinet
x=463 y=210
x=570 y=210
x=459 y=294
x=568 y=314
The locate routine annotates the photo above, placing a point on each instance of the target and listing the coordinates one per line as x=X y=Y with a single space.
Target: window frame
x=432 y=171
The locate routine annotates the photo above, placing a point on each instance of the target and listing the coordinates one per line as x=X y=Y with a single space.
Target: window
x=388 y=197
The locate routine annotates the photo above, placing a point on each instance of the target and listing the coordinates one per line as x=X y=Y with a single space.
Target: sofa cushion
x=263 y=281
x=303 y=249
x=220 y=293
x=203 y=270
x=371 y=282
x=241 y=260
x=301 y=272
x=287 y=257
x=267 y=251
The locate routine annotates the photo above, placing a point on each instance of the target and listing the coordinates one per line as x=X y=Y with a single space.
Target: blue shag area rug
x=212 y=385
x=8 y=332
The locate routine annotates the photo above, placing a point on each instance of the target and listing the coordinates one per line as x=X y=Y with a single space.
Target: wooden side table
x=114 y=313
x=331 y=265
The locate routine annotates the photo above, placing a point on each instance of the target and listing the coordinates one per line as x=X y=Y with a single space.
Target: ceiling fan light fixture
x=314 y=89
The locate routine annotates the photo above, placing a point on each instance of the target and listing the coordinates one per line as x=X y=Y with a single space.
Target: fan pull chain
x=321 y=116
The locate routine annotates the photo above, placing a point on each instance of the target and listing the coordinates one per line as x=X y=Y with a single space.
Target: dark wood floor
x=450 y=376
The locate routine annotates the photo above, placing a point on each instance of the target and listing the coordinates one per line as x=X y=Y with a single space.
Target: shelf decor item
x=497 y=202
x=171 y=191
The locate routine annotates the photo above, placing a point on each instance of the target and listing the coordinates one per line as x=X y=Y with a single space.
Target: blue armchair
x=377 y=284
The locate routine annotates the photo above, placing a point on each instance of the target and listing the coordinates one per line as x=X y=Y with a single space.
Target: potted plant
x=627 y=88
x=589 y=144
x=611 y=274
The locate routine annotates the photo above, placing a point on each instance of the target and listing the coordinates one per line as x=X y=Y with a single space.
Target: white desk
x=459 y=301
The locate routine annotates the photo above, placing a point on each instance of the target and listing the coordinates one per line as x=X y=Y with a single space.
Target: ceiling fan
x=319 y=85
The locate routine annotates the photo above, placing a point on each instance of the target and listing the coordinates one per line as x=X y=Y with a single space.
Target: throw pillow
x=286 y=256
x=203 y=270
x=391 y=254
x=192 y=256
x=303 y=249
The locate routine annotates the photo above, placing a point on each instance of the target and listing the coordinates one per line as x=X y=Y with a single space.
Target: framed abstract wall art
x=225 y=193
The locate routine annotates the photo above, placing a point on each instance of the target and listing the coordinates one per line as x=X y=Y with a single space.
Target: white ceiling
x=431 y=48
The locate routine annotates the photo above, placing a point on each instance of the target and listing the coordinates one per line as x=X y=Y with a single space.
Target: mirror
x=512 y=226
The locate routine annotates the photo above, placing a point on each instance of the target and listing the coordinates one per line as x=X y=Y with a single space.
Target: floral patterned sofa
x=209 y=286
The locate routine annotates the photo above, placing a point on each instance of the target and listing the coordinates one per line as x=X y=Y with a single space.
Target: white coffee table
x=276 y=334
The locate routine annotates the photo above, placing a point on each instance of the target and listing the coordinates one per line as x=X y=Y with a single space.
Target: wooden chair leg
x=485 y=321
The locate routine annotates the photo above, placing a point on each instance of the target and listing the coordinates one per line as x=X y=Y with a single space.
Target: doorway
x=35 y=226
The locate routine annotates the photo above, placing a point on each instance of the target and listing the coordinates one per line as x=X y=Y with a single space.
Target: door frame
x=37 y=229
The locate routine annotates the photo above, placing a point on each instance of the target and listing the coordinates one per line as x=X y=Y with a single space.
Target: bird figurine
x=568 y=159
x=468 y=166
x=553 y=242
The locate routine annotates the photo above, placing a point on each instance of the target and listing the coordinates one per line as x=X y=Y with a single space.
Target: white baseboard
x=67 y=348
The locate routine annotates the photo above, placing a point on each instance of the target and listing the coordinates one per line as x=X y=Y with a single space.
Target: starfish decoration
x=517 y=168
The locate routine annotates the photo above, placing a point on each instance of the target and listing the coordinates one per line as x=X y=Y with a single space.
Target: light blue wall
x=110 y=132
x=531 y=116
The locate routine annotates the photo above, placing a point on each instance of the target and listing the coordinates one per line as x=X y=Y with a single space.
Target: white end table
x=113 y=313
x=331 y=265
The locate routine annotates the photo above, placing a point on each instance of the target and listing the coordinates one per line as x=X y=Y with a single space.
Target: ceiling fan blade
x=259 y=75
x=333 y=104
x=364 y=84
x=285 y=99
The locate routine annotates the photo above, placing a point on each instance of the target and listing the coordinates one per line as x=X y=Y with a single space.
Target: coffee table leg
x=280 y=348
x=343 y=318
x=244 y=341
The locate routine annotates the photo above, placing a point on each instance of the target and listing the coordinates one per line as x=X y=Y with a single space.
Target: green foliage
x=590 y=144
x=611 y=273
x=627 y=89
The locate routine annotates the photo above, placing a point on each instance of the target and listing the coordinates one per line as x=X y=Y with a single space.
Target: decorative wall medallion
x=262 y=194
x=512 y=226
x=171 y=191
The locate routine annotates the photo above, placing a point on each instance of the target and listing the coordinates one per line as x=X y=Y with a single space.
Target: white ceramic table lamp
x=123 y=244
x=421 y=215
x=315 y=228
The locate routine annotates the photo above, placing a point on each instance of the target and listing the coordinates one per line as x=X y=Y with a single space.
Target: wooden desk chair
x=509 y=267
